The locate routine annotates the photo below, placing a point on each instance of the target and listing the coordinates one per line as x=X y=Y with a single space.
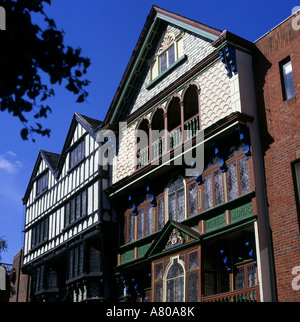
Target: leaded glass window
x=130 y=228
x=175 y=282
x=193 y=260
x=141 y=223
x=252 y=281
x=158 y=271
x=208 y=199
x=233 y=191
x=193 y=199
x=244 y=175
x=148 y=229
x=161 y=213
x=158 y=292
x=193 y=287
x=219 y=195
x=177 y=201
x=240 y=278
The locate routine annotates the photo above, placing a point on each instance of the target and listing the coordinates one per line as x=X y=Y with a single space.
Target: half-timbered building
x=189 y=235
x=69 y=225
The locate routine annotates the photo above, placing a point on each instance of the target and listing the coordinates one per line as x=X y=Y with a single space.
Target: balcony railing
x=250 y=294
x=142 y=158
x=191 y=128
x=158 y=148
x=174 y=139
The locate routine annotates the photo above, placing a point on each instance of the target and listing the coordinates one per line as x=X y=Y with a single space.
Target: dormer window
x=167 y=58
x=168 y=55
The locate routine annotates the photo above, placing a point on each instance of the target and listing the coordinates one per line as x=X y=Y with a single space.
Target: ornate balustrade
x=250 y=294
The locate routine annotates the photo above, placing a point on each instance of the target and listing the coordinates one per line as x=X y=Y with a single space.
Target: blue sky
x=107 y=32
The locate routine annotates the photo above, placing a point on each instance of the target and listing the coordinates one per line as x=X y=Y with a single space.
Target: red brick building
x=277 y=83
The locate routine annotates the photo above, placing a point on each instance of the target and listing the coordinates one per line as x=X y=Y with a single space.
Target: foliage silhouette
x=27 y=54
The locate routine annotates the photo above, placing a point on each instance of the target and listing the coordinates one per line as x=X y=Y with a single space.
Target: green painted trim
x=229 y=228
x=133 y=69
x=166 y=72
x=195 y=30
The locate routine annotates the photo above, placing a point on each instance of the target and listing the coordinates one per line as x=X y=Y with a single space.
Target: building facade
x=187 y=235
x=19 y=282
x=277 y=77
x=188 y=191
x=68 y=223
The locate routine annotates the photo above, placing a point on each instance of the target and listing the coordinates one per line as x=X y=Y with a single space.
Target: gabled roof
x=55 y=161
x=156 y=17
x=159 y=245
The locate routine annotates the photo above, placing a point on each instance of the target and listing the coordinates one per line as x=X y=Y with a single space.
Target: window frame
x=183 y=257
x=211 y=171
x=167 y=192
x=73 y=162
x=238 y=155
x=283 y=63
x=71 y=215
x=42 y=179
x=295 y=165
x=143 y=206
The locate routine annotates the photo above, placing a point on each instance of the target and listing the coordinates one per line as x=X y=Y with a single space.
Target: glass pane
x=161 y=212
x=83 y=202
x=240 y=278
x=193 y=260
x=251 y=276
x=180 y=205
x=141 y=223
x=193 y=288
x=193 y=199
x=131 y=229
x=288 y=80
x=158 y=292
x=148 y=220
x=244 y=175
x=171 y=53
x=232 y=181
x=125 y=229
x=219 y=187
x=163 y=62
x=78 y=208
x=176 y=185
x=172 y=206
x=158 y=271
x=207 y=191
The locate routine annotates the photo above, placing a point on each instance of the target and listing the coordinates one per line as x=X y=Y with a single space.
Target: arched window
x=176 y=200
x=191 y=112
x=157 y=133
x=143 y=143
x=174 y=122
x=175 y=281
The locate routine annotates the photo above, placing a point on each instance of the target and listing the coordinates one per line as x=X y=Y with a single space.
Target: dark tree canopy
x=3 y=246
x=26 y=52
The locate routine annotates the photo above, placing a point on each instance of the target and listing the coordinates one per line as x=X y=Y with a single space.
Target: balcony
x=250 y=294
x=168 y=128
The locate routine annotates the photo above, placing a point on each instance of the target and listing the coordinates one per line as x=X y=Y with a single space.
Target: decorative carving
x=168 y=39
x=174 y=239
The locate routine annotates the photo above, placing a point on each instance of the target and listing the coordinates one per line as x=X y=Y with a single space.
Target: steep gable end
x=168 y=47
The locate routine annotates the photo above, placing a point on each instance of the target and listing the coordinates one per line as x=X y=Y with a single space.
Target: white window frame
x=181 y=262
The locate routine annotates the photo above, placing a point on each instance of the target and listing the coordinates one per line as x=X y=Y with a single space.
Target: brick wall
x=280 y=133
